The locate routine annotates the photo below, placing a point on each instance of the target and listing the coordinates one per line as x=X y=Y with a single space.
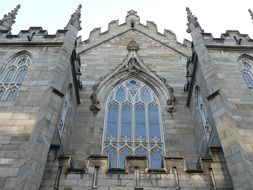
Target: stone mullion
x=119 y=131
x=147 y=132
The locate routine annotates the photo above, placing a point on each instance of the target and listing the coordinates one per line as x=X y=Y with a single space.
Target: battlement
x=174 y=174
x=231 y=38
x=132 y=23
x=32 y=35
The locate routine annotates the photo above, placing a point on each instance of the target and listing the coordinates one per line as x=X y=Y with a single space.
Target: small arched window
x=247 y=71
x=201 y=107
x=12 y=76
x=133 y=124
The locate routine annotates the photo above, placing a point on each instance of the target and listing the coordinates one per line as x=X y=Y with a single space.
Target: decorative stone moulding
x=101 y=161
x=140 y=162
x=132 y=66
x=65 y=161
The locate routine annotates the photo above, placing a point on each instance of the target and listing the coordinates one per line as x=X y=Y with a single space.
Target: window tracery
x=64 y=112
x=12 y=77
x=247 y=71
x=204 y=116
x=133 y=124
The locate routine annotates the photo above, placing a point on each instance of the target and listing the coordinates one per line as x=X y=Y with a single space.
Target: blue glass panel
x=112 y=120
x=140 y=130
x=8 y=76
x=123 y=153
x=154 y=126
x=156 y=159
x=126 y=121
x=1 y=93
x=21 y=61
x=132 y=85
x=141 y=152
x=20 y=76
x=145 y=95
x=111 y=152
x=11 y=94
x=120 y=95
x=248 y=78
x=246 y=64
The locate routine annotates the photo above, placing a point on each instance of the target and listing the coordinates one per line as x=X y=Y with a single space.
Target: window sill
x=117 y=170
x=156 y=171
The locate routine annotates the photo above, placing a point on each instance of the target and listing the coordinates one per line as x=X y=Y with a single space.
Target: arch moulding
x=132 y=67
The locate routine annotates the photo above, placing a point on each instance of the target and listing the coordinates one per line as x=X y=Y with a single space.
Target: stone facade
x=51 y=134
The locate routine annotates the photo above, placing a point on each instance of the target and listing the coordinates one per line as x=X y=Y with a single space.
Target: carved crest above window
x=132 y=66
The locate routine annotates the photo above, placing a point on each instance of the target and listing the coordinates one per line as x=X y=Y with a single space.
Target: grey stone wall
x=28 y=123
x=227 y=93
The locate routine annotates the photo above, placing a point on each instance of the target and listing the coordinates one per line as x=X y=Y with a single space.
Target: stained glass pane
x=123 y=153
x=140 y=130
x=154 y=126
x=11 y=95
x=246 y=64
x=145 y=95
x=21 y=61
x=156 y=159
x=111 y=152
x=141 y=152
x=128 y=126
x=8 y=76
x=20 y=76
x=1 y=93
x=126 y=121
x=120 y=94
x=248 y=78
x=132 y=85
x=112 y=120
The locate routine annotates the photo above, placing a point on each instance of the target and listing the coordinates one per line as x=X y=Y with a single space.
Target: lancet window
x=201 y=107
x=12 y=77
x=247 y=71
x=133 y=124
x=64 y=112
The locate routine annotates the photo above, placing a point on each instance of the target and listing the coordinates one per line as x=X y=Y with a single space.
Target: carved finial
x=192 y=21
x=9 y=19
x=75 y=19
x=251 y=14
x=132 y=46
x=131 y=12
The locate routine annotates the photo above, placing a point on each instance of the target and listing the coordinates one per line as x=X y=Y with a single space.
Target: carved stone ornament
x=132 y=65
x=95 y=106
x=251 y=14
x=9 y=19
x=192 y=21
x=75 y=19
x=131 y=12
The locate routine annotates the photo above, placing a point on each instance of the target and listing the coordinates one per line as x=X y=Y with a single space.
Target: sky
x=214 y=16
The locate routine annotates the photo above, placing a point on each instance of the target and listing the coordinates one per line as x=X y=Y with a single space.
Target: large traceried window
x=201 y=107
x=247 y=71
x=133 y=124
x=12 y=77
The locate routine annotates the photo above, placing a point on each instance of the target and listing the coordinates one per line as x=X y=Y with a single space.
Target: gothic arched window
x=12 y=77
x=247 y=71
x=201 y=107
x=133 y=124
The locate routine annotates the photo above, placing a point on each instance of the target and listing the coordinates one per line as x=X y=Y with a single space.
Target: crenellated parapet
x=174 y=173
x=231 y=38
x=33 y=35
x=132 y=23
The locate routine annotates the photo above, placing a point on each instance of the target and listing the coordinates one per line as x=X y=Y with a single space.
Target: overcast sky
x=214 y=16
